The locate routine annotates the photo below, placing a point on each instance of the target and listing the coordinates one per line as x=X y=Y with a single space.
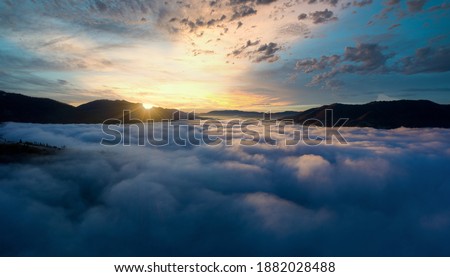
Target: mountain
x=244 y=114
x=21 y=108
x=99 y=110
x=384 y=114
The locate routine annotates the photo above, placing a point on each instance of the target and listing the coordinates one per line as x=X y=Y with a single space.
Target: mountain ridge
x=21 y=108
x=382 y=114
x=378 y=114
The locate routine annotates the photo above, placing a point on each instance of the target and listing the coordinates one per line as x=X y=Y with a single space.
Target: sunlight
x=147 y=106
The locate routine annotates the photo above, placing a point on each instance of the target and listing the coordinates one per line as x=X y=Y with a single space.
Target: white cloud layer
x=384 y=194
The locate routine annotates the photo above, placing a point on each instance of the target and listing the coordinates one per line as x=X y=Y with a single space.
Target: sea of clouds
x=385 y=193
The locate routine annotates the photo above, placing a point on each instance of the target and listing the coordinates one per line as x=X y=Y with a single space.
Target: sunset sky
x=231 y=54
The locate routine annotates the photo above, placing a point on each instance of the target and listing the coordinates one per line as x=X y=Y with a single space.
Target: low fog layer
x=386 y=193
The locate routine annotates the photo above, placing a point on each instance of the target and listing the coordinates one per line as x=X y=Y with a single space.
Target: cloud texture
x=384 y=194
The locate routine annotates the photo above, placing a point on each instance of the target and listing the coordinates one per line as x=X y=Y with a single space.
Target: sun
x=147 y=106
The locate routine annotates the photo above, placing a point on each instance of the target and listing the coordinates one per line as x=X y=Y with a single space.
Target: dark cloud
x=390 y=6
x=62 y=82
x=213 y=21
x=357 y=200
x=100 y=6
x=257 y=2
x=302 y=16
x=413 y=7
x=240 y=2
x=265 y=2
x=264 y=53
x=393 y=26
x=362 y=3
x=363 y=59
x=330 y=2
x=322 y=16
x=426 y=60
x=318 y=16
x=392 y=2
x=416 y=5
x=193 y=25
x=251 y=43
x=267 y=52
x=311 y=65
x=372 y=58
x=242 y=11
x=443 y=6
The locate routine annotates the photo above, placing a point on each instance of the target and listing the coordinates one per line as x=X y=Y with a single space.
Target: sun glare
x=147 y=106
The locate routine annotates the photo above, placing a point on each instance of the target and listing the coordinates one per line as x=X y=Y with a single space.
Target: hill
x=20 y=108
x=383 y=114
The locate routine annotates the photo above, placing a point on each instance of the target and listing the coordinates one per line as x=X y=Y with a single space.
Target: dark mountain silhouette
x=244 y=114
x=383 y=115
x=99 y=110
x=20 y=108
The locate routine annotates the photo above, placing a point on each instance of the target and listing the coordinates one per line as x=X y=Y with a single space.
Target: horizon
x=235 y=55
x=237 y=110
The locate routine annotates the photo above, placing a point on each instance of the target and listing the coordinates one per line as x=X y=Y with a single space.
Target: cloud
x=302 y=16
x=392 y=2
x=393 y=26
x=443 y=6
x=62 y=82
x=416 y=5
x=337 y=200
x=257 y=2
x=369 y=55
x=318 y=17
x=310 y=167
x=311 y=65
x=265 y=52
x=372 y=58
x=413 y=8
x=265 y=2
x=426 y=60
x=329 y=2
x=362 y=3
x=242 y=11
x=100 y=6
x=362 y=59
x=85 y=40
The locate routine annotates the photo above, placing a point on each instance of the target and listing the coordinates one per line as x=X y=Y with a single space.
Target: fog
x=385 y=193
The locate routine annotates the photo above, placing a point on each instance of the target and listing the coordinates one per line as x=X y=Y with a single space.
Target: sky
x=226 y=54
